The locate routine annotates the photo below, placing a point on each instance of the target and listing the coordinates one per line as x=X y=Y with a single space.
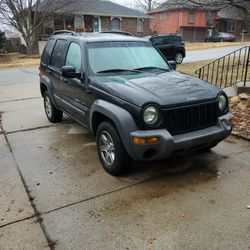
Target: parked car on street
x=171 y=46
x=127 y=94
x=220 y=37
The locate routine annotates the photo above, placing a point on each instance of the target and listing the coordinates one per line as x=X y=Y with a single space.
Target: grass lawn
x=190 y=68
x=198 y=46
x=17 y=60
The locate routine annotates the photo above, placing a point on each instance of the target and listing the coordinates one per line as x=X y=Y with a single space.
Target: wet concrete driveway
x=55 y=194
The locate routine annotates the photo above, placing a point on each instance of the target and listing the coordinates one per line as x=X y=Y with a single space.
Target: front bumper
x=171 y=145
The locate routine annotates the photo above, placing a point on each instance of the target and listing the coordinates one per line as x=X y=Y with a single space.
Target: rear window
x=58 y=54
x=47 y=51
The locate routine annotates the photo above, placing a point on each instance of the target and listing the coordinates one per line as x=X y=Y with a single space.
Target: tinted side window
x=74 y=57
x=167 y=39
x=178 y=39
x=157 y=41
x=58 y=54
x=47 y=51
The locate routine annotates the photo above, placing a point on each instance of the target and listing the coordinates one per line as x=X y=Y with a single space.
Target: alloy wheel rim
x=178 y=58
x=107 y=148
x=48 y=106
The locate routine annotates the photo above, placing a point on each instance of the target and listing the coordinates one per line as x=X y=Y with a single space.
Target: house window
x=191 y=17
x=59 y=23
x=231 y=26
x=162 y=16
x=48 y=25
x=116 y=24
x=69 y=23
x=79 y=24
x=139 y=27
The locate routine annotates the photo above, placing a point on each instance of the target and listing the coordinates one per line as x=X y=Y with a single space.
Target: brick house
x=96 y=16
x=194 y=23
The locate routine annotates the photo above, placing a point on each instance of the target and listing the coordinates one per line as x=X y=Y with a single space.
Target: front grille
x=190 y=118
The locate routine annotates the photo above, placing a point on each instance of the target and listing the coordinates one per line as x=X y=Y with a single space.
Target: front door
x=74 y=89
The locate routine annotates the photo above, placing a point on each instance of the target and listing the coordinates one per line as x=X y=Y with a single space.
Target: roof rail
x=58 y=32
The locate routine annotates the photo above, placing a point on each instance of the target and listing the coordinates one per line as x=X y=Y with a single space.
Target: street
x=208 y=54
x=55 y=194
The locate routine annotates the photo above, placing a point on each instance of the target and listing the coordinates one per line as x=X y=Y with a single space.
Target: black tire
x=178 y=58
x=53 y=114
x=115 y=159
x=221 y=40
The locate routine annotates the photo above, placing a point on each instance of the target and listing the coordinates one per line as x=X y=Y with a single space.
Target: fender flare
x=122 y=119
x=46 y=81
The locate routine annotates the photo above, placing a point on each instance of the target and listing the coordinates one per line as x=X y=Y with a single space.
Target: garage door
x=188 y=34
x=200 y=35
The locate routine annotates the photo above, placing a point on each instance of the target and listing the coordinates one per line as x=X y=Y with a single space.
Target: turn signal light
x=152 y=140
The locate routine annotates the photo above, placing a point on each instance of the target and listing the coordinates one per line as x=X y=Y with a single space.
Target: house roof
x=230 y=13
x=180 y=5
x=96 y=7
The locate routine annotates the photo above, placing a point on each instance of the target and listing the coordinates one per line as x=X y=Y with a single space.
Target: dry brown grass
x=199 y=46
x=17 y=60
x=229 y=70
x=190 y=68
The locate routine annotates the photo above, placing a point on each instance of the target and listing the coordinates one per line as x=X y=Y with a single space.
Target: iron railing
x=228 y=70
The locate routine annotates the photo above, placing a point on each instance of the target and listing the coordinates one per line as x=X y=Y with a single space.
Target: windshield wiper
x=151 y=68
x=118 y=70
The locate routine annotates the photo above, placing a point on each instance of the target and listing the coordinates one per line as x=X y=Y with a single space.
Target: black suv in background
x=171 y=46
x=126 y=93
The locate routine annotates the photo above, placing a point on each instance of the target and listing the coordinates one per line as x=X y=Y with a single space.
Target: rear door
x=74 y=89
x=55 y=66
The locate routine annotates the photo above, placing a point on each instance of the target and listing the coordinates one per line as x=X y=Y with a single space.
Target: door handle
x=63 y=79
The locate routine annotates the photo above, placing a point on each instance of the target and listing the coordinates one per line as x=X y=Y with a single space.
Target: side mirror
x=173 y=64
x=69 y=72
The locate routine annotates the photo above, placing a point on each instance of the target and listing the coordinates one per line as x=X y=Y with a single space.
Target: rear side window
x=58 y=54
x=47 y=51
x=74 y=57
x=158 y=41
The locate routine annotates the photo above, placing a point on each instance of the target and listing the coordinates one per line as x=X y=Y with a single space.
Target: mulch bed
x=240 y=106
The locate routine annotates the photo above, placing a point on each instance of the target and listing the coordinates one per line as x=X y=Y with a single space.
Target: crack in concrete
x=51 y=244
x=36 y=128
x=21 y=99
x=17 y=221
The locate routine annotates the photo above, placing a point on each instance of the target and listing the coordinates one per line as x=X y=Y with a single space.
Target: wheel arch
x=104 y=111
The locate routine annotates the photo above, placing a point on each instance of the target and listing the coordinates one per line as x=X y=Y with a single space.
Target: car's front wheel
x=178 y=58
x=111 y=151
x=53 y=114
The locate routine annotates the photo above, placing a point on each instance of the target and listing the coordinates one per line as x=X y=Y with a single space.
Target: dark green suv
x=127 y=94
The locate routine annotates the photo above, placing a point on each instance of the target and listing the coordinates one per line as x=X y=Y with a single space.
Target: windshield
x=114 y=57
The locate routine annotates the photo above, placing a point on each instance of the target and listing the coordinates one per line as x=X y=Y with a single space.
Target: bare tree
x=28 y=16
x=147 y=5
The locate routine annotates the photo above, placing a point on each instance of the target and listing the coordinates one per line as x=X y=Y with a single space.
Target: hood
x=167 y=89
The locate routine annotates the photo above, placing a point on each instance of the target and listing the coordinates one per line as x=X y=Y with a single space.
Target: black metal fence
x=228 y=70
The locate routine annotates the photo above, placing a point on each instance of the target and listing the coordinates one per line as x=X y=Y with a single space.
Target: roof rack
x=58 y=32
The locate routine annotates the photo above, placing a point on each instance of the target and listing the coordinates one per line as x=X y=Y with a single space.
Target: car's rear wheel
x=178 y=58
x=221 y=40
x=53 y=114
x=111 y=151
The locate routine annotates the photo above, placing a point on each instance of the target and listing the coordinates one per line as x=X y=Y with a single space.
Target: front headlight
x=222 y=103
x=151 y=115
